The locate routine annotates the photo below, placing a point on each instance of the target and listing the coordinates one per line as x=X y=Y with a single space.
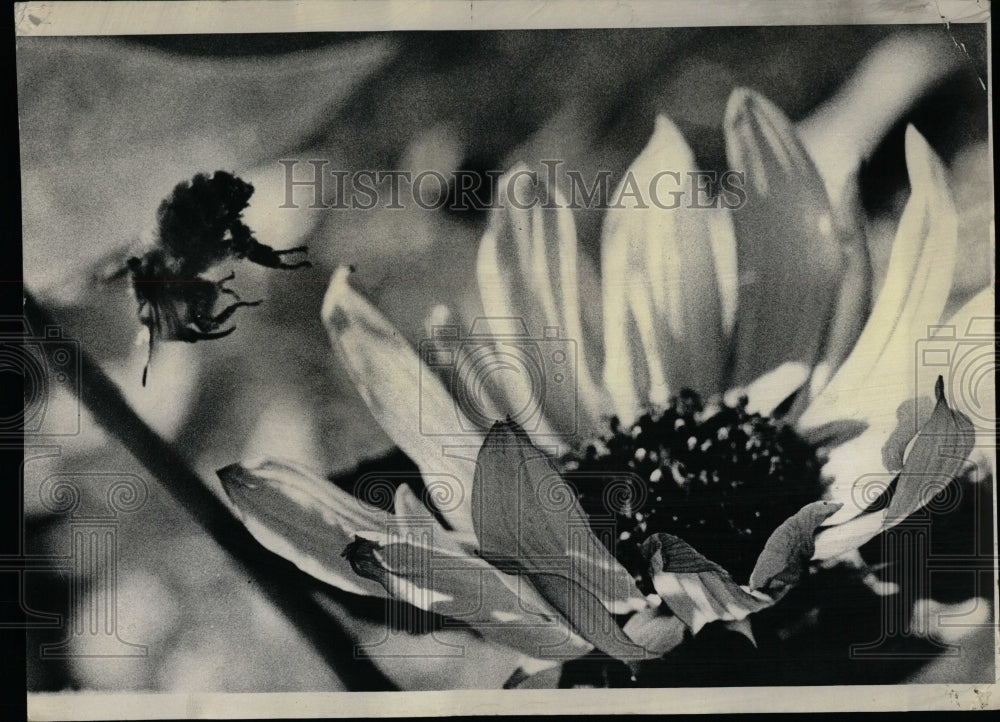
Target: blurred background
x=109 y=125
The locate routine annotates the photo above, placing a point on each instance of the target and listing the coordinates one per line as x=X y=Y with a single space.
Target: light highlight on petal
x=667 y=273
x=412 y=406
x=696 y=589
x=880 y=377
x=529 y=269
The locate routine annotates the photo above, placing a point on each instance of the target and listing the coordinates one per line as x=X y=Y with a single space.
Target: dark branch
x=290 y=590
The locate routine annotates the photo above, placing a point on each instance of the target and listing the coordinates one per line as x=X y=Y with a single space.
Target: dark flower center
x=720 y=478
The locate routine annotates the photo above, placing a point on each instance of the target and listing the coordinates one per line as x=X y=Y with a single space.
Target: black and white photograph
x=450 y=358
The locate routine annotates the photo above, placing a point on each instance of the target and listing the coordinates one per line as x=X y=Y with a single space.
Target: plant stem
x=288 y=588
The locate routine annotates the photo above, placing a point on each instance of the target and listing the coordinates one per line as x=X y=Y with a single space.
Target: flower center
x=720 y=478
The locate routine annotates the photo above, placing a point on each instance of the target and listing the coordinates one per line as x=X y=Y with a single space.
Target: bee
x=199 y=226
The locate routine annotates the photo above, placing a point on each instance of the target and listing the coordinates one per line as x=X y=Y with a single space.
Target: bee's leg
x=149 y=357
x=267 y=256
x=248 y=247
x=228 y=311
x=221 y=285
x=191 y=335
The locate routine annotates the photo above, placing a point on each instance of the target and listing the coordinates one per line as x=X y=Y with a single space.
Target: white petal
x=835 y=541
x=297 y=514
x=529 y=269
x=934 y=459
x=415 y=567
x=405 y=397
x=880 y=375
x=664 y=268
x=626 y=364
x=723 y=240
x=768 y=391
x=705 y=597
x=471 y=370
x=655 y=630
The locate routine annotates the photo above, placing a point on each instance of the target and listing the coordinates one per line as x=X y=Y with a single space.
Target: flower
x=773 y=301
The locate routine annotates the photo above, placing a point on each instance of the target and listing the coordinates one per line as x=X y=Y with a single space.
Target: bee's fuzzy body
x=199 y=226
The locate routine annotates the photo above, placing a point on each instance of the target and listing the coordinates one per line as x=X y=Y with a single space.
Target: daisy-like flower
x=744 y=405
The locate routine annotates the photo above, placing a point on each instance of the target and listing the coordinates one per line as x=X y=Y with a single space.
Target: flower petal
x=969 y=338
x=835 y=541
x=302 y=517
x=937 y=456
x=631 y=368
x=488 y=379
x=529 y=269
x=723 y=241
x=697 y=590
x=850 y=309
x=848 y=126
x=407 y=400
x=669 y=269
x=654 y=629
x=504 y=609
x=765 y=393
x=877 y=380
x=790 y=261
x=789 y=549
x=528 y=520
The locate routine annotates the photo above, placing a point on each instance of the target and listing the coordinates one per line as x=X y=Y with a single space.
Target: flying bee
x=198 y=227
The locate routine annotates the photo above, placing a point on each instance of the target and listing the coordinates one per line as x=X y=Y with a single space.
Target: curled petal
x=879 y=380
x=408 y=401
x=968 y=342
x=852 y=304
x=529 y=269
x=697 y=590
x=527 y=520
x=789 y=258
x=299 y=515
x=666 y=272
x=789 y=549
x=937 y=456
x=841 y=134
